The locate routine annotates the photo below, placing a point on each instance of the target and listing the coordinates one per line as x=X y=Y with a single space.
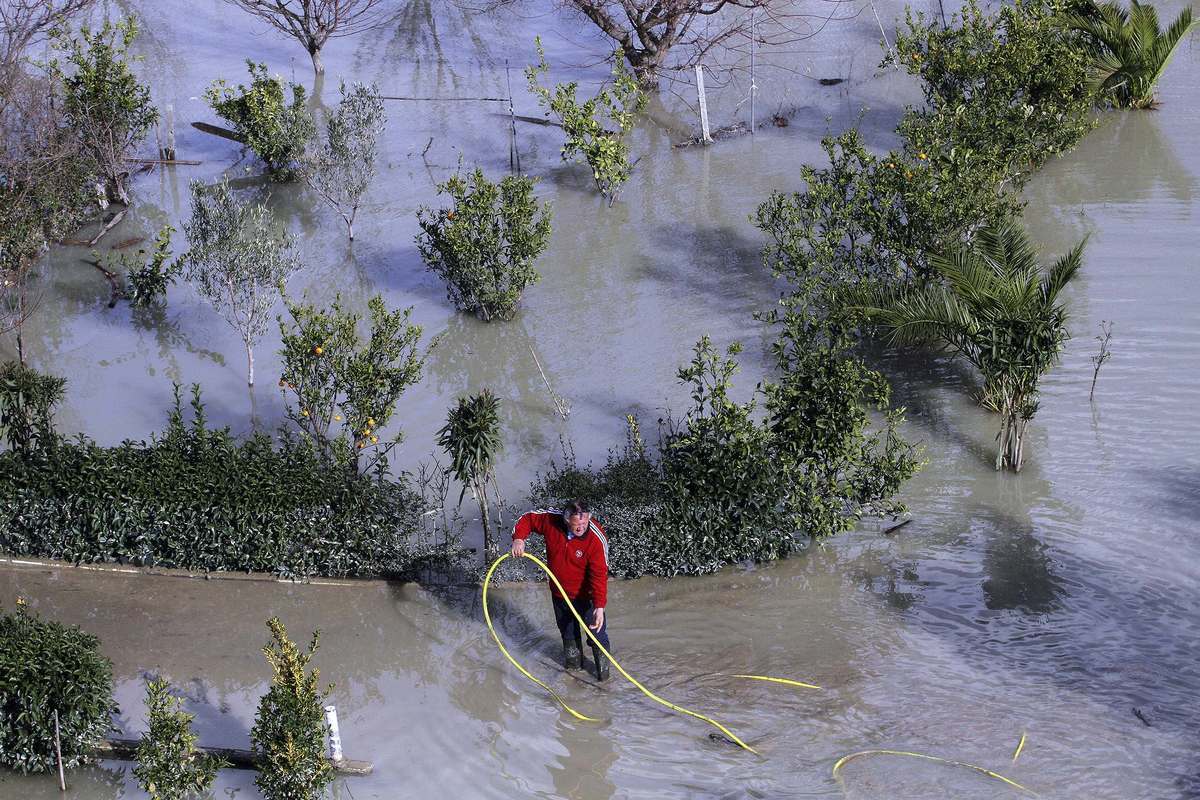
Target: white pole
x=171 y=131
x=704 y=134
x=753 y=88
x=335 y=737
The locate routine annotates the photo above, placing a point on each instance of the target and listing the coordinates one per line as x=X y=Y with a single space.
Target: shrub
x=46 y=667
x=147 y=279
x=276 y=130
x=471 y=437
x=1129 y=50
x=197 y=498
x=484 y=246
x=288 y=736
x=597 y=129
x=27 y=400
x=1003 y=94
x=169 y=767
x=997 y=308
x=729 y=485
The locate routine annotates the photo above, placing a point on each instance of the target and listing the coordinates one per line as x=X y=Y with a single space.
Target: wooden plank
x=126 y=750
x=217 y=130
x=532 y=120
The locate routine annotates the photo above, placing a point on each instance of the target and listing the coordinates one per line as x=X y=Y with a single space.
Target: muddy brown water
x=1052 y=603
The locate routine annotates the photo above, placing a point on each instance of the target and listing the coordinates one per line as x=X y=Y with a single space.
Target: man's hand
x=518 y=548
x=597 y=619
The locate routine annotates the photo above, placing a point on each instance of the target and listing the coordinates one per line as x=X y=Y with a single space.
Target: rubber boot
x=602 y=671
x=572 y=654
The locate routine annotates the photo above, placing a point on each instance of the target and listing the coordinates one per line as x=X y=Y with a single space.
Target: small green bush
x=27 y=400
x=46 y=667
x=169 y=765
x=729 y=485
x=276 y=130
x=597 y=130
x=485 y=244
x=288 y=736
x=149 y=275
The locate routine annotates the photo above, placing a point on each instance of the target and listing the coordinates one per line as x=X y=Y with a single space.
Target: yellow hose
x=596 y=643
x=1020 y=747
x=785 y=681
x=842 y=761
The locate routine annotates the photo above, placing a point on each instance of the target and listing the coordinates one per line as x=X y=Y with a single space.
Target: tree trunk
x=314 y=51
x=249 y=363
x=20 y=346
x=488 y=545
x=645 y=65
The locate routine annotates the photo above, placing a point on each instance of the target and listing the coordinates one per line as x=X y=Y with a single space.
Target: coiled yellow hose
x=596 y=643
x=732 y=737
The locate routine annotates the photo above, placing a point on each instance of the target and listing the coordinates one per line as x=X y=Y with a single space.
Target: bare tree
x=647 y=31
x=314 y=22
x=22 y=22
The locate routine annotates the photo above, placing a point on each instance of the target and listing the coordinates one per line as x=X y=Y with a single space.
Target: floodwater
x=1053 y=603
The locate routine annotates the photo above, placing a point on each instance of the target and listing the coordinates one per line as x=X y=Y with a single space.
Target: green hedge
x=47 y=667
x=201 y=499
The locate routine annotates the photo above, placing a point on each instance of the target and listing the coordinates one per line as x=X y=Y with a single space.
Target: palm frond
x=1063 y=271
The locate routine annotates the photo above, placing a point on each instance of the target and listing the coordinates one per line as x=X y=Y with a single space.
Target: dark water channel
x=1052 y=603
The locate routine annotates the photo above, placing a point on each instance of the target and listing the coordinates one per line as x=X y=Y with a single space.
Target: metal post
x=335 y=737
x=62 y=778
x=704 y=134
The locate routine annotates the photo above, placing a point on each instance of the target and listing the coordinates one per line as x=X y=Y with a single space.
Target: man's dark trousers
x=569 y=627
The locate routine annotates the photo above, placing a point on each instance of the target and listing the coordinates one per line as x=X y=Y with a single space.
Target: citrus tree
x=597 y=130
x=485 y=244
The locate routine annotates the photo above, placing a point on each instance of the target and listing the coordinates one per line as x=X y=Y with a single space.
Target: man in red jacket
x=577 y=553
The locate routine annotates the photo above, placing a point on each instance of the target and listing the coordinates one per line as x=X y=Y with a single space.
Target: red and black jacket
x=580 y=563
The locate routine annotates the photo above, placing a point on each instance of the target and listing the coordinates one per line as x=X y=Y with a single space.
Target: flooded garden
x=1057 y=606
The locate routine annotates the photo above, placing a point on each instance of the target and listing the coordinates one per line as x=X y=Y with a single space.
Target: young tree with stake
x=237 y=260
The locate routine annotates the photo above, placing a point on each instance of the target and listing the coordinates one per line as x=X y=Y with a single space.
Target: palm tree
x=1130 y=51
x=471 y=437
x=996 y=307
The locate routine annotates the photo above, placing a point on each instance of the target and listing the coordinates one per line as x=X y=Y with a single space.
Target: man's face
x=578 y=523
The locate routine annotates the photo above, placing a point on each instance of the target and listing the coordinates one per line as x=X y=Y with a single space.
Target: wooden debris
x=108 y=226
x=217 y=130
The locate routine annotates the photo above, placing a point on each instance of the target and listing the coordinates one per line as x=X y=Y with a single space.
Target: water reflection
x=582 y=771
x=471 y=355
